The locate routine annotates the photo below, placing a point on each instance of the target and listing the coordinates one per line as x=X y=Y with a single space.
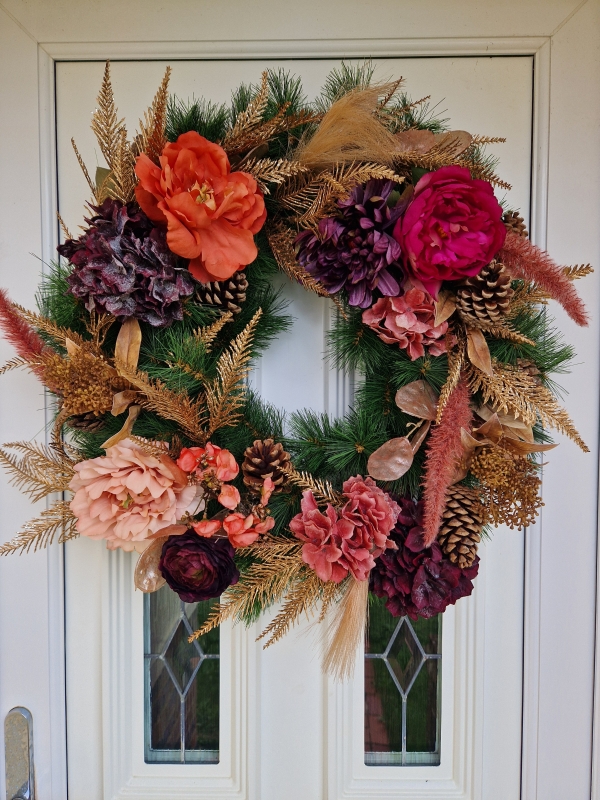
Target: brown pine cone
x=485 y=297
x=527 y=366
x=462 y=521
x=515 y=223
x=228 y=295
x=86 y=422
x=265 y=459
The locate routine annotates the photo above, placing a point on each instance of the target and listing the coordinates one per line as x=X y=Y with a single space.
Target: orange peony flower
x=211 y=213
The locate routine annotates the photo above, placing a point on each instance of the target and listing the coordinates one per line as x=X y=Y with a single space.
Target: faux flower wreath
x=147 y=328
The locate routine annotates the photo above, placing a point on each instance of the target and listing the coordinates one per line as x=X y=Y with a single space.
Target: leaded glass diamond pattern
x=181 y=682
x=402 y=689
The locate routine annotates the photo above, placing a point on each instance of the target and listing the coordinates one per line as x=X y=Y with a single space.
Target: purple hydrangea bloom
x=418 y=581
x=355 y=250
x=123 y=266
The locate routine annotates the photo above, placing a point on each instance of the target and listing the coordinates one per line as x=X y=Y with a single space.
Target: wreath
x=147 y=327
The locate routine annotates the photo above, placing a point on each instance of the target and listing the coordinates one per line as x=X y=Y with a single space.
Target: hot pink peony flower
x=451 y=229
x=210 y=458
x=127 y=495
x=408 y=321
x=348 y=543
x=243 y=531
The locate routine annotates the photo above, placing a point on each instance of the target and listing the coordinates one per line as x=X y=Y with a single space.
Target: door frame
x=549 y=61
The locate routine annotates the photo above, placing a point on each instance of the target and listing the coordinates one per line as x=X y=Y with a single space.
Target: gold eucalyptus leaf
x=445 y=306
x=392 y=460
x=478 y=351
x=129 y=342
x=417 y=399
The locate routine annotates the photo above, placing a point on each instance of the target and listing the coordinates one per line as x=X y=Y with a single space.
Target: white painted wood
x=559 y=632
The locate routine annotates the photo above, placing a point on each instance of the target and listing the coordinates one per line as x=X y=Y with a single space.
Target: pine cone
x=529 y=368
x=485 y=297
x=229 y=294
x=263 y=460
x=88 y=422
x=515 y=223
x=460 y=531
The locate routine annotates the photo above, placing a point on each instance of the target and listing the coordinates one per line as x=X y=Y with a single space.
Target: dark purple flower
x=355 y=250
x=122 y=265
x=414 y=580
x=197 y=568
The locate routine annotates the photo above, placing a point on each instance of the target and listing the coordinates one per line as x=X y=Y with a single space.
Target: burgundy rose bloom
x=452 y=228
x=197 y=568
x=418 y=581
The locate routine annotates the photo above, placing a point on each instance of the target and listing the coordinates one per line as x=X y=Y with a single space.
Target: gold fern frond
x=152 y=128
x=525 y=297
x=301 y=598
x=515 y=392
x=209 y=333
x=66 y=232
x=501 y=331
x=251 y=116
x=150 y=448
x=39 y=470
x=478 y=140
x=42 y=323
x=168 y=404
x=106 y=126
x=456 y=359
x=321 y=489
x=86 y=174
x=269 y=170
x=578 y=271
x=281 y=242
x=17 y=362
x=123 y=179
x=225 y=394
x=263 y=584
x=41 y=531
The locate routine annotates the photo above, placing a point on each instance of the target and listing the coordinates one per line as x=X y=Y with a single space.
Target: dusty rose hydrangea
x=127 y=495
x=336 y=544
x=408 y=321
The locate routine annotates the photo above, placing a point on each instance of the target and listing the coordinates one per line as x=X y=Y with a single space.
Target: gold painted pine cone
x=228 y=295
x=265 y=459
x=485 y=297
x=460 y=531
x=515 y=223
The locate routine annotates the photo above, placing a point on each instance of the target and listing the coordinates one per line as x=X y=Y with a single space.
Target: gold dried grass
x=347 y=630
x=456 y=360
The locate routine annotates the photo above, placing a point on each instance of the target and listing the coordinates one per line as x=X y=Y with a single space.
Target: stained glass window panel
x=402 y=689
x=181 y=682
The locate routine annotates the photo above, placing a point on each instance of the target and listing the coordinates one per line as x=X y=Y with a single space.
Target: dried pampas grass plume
x=347 y=630
x=350 y=131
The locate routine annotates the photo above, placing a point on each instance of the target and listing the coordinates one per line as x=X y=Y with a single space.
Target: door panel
x=296 y=728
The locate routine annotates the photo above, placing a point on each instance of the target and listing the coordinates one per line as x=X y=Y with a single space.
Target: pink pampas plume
x=525 y=260
x=443 y=452
x=23 y=338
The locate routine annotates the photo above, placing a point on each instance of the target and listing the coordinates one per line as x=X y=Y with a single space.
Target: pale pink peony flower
x=348 y=543
x=408 y=321
x=127 y=496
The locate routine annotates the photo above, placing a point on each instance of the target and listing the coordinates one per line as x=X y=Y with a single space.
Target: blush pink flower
x=451 y=229
x=408 y=321
x=266 y=490
x=127 y=496
x=243 y=531
x=229 y=496
x=202 y=460
x=335 y=545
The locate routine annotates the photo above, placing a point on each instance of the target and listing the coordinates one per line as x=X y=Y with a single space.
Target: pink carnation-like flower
x=348 y=543
x=408 y=321
x=127 y=495
x=211 y=458
x=451 y=229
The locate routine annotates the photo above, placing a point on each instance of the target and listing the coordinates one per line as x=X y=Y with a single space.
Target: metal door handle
x=18 y=752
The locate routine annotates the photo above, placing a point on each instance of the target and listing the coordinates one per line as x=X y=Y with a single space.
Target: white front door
x=271 y=726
